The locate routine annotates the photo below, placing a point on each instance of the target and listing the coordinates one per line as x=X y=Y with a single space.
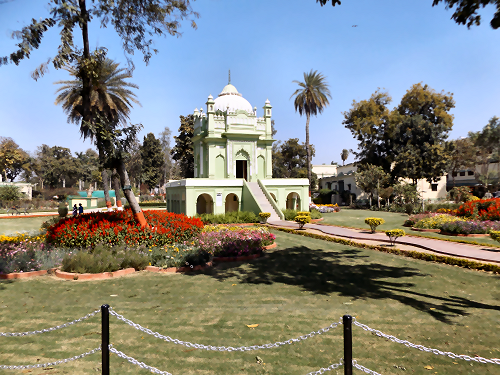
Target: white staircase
x=262 y=200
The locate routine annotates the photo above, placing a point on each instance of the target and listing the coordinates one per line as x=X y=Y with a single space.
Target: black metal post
x=105 y=339
x=347 y=320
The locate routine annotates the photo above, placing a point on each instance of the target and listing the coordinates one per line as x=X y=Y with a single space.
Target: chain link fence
x=347 y=362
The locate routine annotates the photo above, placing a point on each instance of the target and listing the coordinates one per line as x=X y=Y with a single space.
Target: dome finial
x=229 y=80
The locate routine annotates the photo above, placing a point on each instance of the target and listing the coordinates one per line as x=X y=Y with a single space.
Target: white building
x=24 y=187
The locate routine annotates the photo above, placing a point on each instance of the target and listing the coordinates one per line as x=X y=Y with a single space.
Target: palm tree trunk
x=136 y=210
x=86 y=83
x=308 y=150
x=116 y=186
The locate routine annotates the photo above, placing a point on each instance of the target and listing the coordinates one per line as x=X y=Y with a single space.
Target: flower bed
x=482 y=209
x=120 y=228
x=413 y=219
x=435 y=222
x=325 y=208
x=470 y=227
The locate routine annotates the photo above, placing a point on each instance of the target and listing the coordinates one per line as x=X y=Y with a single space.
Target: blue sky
x=268 y=44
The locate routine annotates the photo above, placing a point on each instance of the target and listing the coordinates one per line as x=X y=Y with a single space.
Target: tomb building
x=233 y=163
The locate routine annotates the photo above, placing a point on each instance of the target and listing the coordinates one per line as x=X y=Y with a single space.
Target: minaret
x=229 y=80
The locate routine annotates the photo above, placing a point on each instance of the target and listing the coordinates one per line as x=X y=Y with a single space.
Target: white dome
x=230 y=97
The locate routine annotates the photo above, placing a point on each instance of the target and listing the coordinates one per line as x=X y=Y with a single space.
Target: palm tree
x=310 y=99
x=344 y=155
x=110 y=98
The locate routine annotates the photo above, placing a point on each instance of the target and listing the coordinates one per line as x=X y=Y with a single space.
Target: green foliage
x=408 y=141
x=178 y=255
x=289 y=214
x=152 y=160
x=101 y=202
x=315 y=214
x=394 y=234
x=62 y=210
x=311 y=98
x=495 y=234
x=371 y=178
x=10 y=193
x=230 y=218
x=105 y=259
x=344 y=155
x=54 y=164
x=164 y=137
x=374 y=222
x=462 y=156
x=487 y=149
x=12 y=159
x=183 y=151
x=460 y=194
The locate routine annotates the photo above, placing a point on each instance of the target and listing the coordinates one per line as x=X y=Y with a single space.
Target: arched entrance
x=293 y=201
x=242 y=164
x=274 y=197
x=232 y=203
x=204 y=204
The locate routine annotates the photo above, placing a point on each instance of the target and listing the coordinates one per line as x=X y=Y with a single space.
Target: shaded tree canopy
x=465 y=12
x=183 y=151
x=409 y=141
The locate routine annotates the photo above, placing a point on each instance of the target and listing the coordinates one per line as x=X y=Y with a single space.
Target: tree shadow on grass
x=4 y=282
x=346 y=273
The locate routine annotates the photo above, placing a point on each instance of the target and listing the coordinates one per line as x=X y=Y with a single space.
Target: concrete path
x=482 y=253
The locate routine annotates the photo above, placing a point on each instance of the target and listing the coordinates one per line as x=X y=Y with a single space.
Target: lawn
x=356 y=219
x=301 y=286
x=28 y=224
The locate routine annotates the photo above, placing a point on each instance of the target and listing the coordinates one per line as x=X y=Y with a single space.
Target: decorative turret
x=267 y=116
x=210 y=112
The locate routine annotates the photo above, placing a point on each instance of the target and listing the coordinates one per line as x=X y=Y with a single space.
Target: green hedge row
x=464 y=263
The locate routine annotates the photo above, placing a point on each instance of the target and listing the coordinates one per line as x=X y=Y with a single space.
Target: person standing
x=75 y=210
x=80 y=209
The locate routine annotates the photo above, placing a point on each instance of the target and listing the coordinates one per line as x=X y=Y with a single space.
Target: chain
x=364 y=369
x=425 y=349
x=11 y=334
x=136 y=362
x=221 y=348
x=333 y=366
x=38 y=365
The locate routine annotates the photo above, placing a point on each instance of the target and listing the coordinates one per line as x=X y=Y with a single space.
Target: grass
x=356 y=219
x=28 y=224
x=301 y=286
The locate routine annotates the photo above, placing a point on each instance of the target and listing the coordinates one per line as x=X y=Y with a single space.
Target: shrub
x=230 y=218
x=470 y=227
x=62 y=210
x=27 y=255
x=302 y=220
x=178 y=255
x=495 y=234
x=10 y=193
x=374 y=222
x=394 y=234
x=289 y=214
x=315 y=214
x=436 y=221
x=119 y=227
x=105 y=259
x=233 y=242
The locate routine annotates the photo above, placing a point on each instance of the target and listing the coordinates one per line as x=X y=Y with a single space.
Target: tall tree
x=371 y=179
x=88 y=165
x=183 y=151
x=13 y=159
x=135 y=21
x=55 y=165
x=370 y=122
x=487 y=142
x=152 y=160
x=311 y=98
x=465 y=12
x=344 y=155
x=133 y=163
x=462 y=156
x=110 y=96
x=289 y=161
x=165 y=136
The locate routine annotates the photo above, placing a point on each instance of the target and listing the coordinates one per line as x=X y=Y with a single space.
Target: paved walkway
x=482 y=253
x=70 y=213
